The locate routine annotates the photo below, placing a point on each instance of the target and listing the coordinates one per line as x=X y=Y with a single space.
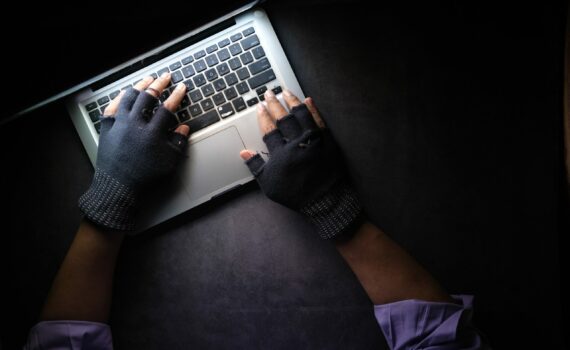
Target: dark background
x=450 y=118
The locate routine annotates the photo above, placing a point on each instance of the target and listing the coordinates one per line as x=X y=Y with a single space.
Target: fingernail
x=148 y=78
x=287 y=93
x=180 y=86
x=269 y=94
x=164 y=75
x=260 y=107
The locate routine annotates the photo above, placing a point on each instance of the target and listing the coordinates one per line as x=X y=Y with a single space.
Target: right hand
x=305 y=170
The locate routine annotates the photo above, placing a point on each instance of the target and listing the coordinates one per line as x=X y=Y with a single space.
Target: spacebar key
x=203 y=121
x=261 y=79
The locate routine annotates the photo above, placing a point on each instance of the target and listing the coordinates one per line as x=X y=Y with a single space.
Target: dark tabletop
x=449 y=117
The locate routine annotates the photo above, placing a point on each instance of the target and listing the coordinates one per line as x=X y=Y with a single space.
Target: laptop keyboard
x=215 y=77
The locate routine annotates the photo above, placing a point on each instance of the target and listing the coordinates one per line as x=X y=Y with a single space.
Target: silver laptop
x=226 y=65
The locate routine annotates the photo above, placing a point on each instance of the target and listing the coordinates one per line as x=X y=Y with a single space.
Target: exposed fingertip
x=246 y=154
x=287 y=93
x=183 y=129
x=165 y=74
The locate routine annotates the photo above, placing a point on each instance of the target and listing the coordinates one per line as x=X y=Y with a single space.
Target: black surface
x=450 y=121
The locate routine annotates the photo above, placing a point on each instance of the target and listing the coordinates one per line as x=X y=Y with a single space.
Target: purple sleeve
x=76 y=335
x=416 y=324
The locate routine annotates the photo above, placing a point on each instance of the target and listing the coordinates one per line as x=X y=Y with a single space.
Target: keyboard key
x=187 y=60
x=103 y=109
x=199 y=54
x=235 y=49
x=226 y=110
x=189 y=85
x=212 y=60
x=94 y=115
x=175 y=66
x=277 y=90
x=91 y=106
x=218 y=98
x=154 y=75
x=195 y=96
x=230 y=93
x=259 y=66
x=246 y=58
x=98 y=128
x=211 y=48
x=224 y=55
x=252 y=101
x=162 y=71
x=250 y=42
x=235 y=63
x=262 y=78
x=195 y=110
x=164 y=95
x=231 y=79
x=103 y=100
x=207 y=104
x=207 y=90
x=261 y=90
x=235 y=37
x=223 y=69
x=183 y=115
x=242 y=87
x=211 y=74
x=199 y=80
x=126 y=87
x=248 y=31
x=219 y=84
x=176 y=77
x=200 y=65
x=188 y=71
x=185 y=102
x=258 y=52
x=239 y=104
x=261 y=97
x=203 y=121
x=114 y=94
x=243 y=73
x=224 y=43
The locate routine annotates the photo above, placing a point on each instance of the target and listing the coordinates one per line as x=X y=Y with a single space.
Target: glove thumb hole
x=255 y=163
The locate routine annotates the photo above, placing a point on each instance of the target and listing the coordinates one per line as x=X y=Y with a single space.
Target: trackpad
x=214 y=164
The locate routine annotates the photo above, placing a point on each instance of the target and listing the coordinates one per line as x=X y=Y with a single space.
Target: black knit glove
x=136 y=147
x=305 y=173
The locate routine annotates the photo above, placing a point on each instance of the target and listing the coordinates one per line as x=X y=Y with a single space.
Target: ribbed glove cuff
x=109 y=203
x=335 y=213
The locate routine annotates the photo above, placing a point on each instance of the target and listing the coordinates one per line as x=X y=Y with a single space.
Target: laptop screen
x=63 y=48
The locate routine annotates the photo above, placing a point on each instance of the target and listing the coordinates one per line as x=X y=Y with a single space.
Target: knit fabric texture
x=109 y=203
x=305 y=172
x=136 y=147
x=335 y=212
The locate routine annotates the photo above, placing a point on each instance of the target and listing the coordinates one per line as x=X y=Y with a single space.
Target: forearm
x=385 y=270
x=82 y=288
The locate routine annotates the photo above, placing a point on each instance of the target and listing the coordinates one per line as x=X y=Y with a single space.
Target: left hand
x=136 y=146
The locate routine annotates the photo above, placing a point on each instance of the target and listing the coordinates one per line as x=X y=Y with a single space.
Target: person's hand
x=137 y=145
x=305 y=170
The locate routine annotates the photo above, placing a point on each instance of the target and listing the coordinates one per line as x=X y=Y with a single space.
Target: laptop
x=226 y=65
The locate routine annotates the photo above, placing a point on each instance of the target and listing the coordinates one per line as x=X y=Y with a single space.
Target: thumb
x=246 y=154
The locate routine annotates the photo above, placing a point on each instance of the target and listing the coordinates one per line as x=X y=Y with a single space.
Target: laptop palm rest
x=214 y=165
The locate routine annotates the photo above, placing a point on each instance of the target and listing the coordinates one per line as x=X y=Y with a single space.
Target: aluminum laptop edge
x=212 y=166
